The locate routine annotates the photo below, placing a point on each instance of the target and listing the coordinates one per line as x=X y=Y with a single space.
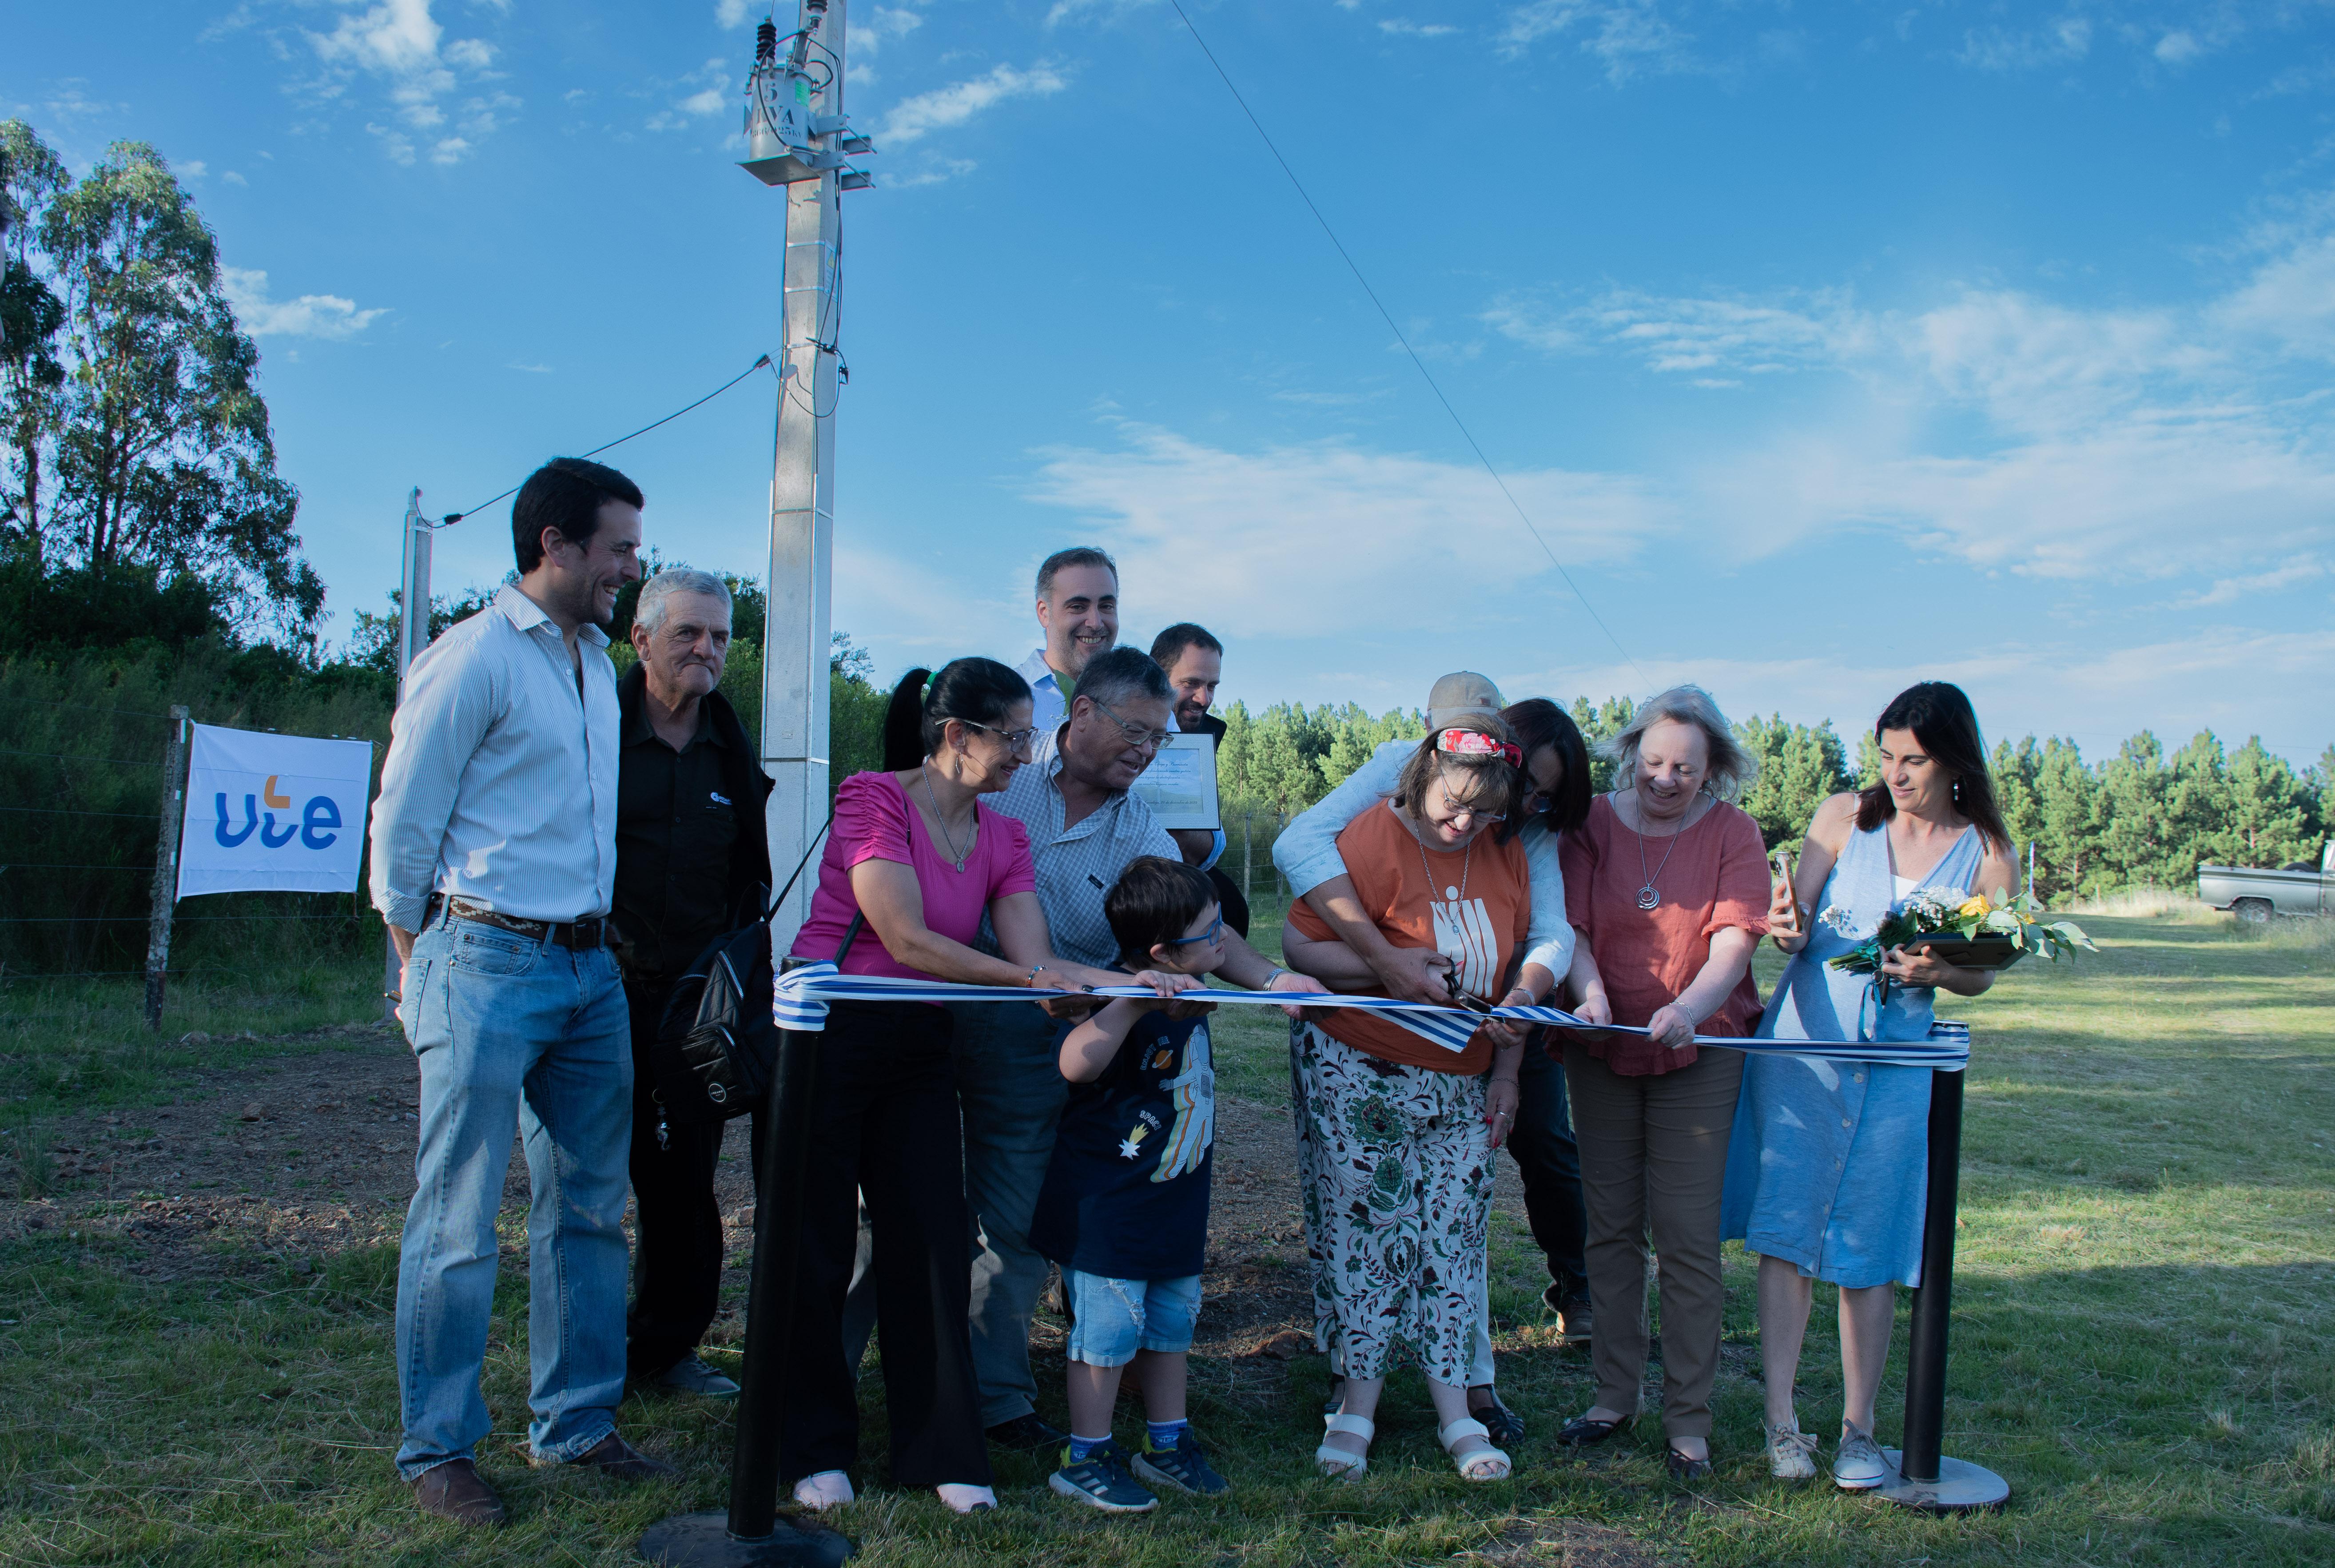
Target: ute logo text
x=314 y=825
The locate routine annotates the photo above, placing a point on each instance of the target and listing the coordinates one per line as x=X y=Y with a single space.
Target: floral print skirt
x=1397 y=1167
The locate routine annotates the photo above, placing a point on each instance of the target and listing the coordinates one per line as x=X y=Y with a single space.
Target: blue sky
x=1830 y=347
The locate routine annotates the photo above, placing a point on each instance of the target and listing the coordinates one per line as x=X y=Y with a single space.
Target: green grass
x=2140 y=1346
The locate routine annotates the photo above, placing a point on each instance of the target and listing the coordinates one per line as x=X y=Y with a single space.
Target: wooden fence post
x=165 y=864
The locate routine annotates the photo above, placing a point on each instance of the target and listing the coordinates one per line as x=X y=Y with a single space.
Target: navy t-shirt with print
x=1127 y=1195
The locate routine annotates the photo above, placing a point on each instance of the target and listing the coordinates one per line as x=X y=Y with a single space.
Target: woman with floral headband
x=1827 y=1173
x=1397 y=1132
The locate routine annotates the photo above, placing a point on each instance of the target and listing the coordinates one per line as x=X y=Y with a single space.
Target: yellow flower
x=1975 y=904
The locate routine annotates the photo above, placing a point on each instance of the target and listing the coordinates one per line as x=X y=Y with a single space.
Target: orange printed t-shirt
x=1478 y=932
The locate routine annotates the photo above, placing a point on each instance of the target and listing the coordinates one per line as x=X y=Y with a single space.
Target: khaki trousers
x=1653 y=1159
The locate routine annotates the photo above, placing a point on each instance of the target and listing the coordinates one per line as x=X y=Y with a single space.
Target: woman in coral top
x=914 y=852
x=1667 y=885
x=1397 y=1132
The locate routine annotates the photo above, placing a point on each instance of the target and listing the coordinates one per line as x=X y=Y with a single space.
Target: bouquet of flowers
x=2013 y=926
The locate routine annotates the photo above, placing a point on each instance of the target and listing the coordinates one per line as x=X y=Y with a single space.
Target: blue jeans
x=513 y=1032
x=1111 y=1319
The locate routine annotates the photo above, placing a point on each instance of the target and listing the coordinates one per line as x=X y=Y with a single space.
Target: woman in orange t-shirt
x=1396 y=1133
x=1667 y=884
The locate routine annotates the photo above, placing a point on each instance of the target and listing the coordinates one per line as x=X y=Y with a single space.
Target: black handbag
x=717 y=1046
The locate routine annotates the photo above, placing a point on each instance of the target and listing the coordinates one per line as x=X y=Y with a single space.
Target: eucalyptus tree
x=165 y=462
x=31 y=374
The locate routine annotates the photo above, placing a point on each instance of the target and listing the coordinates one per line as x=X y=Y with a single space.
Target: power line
x=450 y=519
x=1421 y=364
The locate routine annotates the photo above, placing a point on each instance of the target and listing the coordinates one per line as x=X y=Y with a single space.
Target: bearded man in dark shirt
x=692 y=862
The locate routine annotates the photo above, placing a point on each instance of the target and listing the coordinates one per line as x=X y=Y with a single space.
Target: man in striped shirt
x=1084 y=829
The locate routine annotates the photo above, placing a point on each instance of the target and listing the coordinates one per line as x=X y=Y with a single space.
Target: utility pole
x=412 y=636
x=800 y=143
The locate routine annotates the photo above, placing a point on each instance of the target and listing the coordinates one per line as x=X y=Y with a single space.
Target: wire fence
x=86 y=800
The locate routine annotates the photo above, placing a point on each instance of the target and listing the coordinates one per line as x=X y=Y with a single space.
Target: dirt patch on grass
x=311 y=1154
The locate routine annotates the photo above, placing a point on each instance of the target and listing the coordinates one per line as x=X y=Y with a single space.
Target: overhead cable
x=1347 y=257
x=450 y=519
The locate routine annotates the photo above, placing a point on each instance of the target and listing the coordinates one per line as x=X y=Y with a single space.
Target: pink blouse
x=874 y=821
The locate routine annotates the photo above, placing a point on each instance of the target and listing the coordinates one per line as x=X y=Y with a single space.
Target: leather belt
x=597 y=931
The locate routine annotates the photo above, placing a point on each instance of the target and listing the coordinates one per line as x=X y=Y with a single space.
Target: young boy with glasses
x=1125 y=1206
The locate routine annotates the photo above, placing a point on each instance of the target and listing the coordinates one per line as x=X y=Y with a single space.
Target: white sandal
x=828 y=1489
x=1340 y=1463
x=1469 y=1465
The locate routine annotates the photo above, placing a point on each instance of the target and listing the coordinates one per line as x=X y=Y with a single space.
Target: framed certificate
x=1180 y=784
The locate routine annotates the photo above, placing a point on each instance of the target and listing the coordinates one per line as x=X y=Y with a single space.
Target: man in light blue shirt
x=494 y=861
x=1078 y=609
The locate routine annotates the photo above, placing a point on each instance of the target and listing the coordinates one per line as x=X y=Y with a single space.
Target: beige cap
x=1459 y=695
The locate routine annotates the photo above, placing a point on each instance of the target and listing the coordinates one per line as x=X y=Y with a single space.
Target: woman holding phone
x=1828 y=1169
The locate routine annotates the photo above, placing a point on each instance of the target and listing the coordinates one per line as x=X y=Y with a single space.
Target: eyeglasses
x=1015 y=740
x=1136 y=735
x=1538 y=801
x=1470 y=812
x=1215 y=927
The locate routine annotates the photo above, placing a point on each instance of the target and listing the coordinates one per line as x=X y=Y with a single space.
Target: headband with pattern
x=1476 y=743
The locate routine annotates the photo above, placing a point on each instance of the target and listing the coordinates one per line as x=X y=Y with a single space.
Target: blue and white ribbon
x=801 y=999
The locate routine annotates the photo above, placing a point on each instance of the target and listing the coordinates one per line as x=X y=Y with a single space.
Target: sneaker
x=1857 y=1465
x=1574 y=1324
x=1032 y=1433
x=1100 y=1481
x=1791 y=1453
x=1182 y=1469
x=690 y=1375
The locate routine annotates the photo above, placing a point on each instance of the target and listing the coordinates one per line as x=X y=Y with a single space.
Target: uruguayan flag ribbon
x=802 y=997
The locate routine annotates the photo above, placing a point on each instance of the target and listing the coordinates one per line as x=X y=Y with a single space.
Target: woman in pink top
x=916 y=854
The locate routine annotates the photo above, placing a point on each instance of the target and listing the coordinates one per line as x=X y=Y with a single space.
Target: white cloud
x=1403 y=29
x=935 y=172
x=2062 y=41
x=730 y=13
x=915 y=118
x=867 y=36
x=401 y=42
x=193 y=168
x=2177 y=48
x=2286 y=574
x=1357 y=528
x=232 y=178
x=324 y=315
x=1109 y=10
x=2009 y=431
x=1630 y=37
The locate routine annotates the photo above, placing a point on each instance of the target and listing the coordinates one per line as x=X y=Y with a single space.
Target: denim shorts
x=1111 y=1319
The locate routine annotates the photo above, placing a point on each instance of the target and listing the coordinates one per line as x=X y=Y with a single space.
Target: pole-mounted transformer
x=786 y=139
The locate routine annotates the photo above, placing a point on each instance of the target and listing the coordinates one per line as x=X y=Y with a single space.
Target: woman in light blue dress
x=1827 y=1166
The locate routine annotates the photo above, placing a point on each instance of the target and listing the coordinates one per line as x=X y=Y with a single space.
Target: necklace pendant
x=1647 y=897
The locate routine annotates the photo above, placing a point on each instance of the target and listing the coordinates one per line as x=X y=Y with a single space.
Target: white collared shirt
x=500 y=783
x=1048 y=707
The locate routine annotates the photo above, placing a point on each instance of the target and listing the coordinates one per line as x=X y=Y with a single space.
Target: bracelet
x=1029 y=981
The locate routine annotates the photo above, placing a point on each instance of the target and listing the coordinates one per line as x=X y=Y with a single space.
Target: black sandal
x=1685 y=1469
x=1506 y=1427
x=1583 y=1430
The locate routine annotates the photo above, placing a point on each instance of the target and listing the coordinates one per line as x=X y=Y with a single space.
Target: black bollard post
x=1921 y=1475
x=751 y=1533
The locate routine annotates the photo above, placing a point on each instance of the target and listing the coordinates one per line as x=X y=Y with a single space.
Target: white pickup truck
x=2257 y=895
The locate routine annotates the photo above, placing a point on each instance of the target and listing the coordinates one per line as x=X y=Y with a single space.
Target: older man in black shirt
x=692 y=860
